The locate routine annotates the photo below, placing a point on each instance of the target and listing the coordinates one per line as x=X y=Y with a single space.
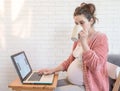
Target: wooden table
x=18 y=86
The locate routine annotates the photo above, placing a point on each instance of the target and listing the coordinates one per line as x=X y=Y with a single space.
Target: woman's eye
x=81 y=22
x=76 y=23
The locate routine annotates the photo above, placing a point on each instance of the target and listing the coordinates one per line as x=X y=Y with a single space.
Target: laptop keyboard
x=35 y=77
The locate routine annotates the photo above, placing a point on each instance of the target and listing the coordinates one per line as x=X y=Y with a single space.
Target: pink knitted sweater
x=94 y=63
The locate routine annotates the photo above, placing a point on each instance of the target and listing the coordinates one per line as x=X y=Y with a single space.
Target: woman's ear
x=91 y=21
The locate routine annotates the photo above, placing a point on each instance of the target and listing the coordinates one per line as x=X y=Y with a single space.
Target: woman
x=86 y=66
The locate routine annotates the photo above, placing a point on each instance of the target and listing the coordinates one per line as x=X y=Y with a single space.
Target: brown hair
x=88 y=10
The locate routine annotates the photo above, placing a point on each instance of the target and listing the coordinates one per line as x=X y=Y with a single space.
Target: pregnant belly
x=75 y=73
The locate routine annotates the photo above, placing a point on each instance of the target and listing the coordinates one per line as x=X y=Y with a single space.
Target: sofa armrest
x=116 y=84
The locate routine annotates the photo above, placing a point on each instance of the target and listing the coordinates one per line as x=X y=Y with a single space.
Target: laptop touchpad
x=35 y=77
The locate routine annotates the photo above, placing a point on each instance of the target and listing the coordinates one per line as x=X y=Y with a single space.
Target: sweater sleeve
x=67 y=62
x=96 y=57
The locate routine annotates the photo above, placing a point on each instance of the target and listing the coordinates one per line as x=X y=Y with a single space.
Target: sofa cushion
x=114 y=58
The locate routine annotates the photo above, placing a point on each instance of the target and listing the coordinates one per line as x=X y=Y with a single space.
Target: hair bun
x=89 y=7
x=92 y=8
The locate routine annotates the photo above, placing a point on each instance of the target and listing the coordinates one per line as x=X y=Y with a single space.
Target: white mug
x=75 y=36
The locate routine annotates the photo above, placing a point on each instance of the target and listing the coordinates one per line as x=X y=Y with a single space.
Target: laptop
x=25 y=72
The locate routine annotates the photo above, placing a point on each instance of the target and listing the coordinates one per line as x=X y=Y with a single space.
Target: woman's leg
x=70 y=88
x=113 y=70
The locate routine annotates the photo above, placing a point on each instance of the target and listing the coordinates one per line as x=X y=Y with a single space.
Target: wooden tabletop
x=17 y=85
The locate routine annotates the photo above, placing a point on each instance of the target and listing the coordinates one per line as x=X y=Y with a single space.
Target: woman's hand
x=83 y=35
x=46 y=71
x=52 y=70
x=84 y=39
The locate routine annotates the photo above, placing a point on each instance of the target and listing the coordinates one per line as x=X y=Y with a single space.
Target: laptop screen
x=21 y=64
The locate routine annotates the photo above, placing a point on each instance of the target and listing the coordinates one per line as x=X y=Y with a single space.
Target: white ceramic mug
x=75 y=36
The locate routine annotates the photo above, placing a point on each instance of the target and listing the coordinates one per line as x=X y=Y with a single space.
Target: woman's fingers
x=45 y=71
x=41 y=71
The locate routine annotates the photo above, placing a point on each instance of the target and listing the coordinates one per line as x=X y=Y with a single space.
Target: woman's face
x=83 y=21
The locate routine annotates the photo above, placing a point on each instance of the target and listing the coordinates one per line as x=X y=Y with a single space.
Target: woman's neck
x=91 y=32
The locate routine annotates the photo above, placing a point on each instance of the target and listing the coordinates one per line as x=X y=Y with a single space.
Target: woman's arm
x=62 y=67
x=96 y=56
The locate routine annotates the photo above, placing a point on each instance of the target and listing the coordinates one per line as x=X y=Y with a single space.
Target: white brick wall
x=42 y=29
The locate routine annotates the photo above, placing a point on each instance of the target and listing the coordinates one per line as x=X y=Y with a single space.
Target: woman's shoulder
x=100 y=35
x=99 y=38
